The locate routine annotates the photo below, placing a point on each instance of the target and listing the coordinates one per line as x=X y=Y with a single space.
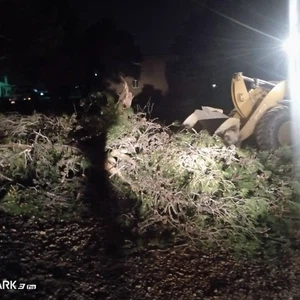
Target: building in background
x=153 y=75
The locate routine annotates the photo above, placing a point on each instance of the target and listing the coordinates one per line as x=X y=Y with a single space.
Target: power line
x=238 y=22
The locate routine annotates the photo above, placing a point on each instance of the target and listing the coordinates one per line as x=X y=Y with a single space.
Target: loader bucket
x=208 y=118
x=229 y=131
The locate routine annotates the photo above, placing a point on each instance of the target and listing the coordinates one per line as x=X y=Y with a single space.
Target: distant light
x=96 y=74
x=42 y=94
x=35 y=90
x=77 y=86
x=214 y=86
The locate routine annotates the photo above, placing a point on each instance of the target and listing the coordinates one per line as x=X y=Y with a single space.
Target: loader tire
x=273 y=128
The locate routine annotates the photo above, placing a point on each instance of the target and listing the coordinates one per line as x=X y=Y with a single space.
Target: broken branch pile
x=39 y=170
x=187 y=187
x=193 y=187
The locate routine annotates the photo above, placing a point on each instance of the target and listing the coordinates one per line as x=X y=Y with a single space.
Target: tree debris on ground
x=41 y=172
x=186 y=187
x=184 y=202
x=191 y=188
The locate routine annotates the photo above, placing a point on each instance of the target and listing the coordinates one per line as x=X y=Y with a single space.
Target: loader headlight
x=286 y=45
x=292 y=44
x=294 y=75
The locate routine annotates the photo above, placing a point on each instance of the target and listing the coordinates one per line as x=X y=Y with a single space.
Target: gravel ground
x=76 y=261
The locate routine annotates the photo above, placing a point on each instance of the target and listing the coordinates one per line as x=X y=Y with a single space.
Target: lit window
x=135 y=84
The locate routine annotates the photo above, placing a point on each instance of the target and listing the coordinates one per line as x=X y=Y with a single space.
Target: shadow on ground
x=68 y=259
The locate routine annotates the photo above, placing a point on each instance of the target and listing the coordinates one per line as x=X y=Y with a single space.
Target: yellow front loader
x=260 y=110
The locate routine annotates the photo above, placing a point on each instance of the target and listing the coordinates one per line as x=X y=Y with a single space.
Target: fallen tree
x=43 y=169
x=185 y=187
x=191 y=188
x=40 y=171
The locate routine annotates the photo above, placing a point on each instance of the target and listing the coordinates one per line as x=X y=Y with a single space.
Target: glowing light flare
x=294 y=75
x=294 y=51
x=292 y=44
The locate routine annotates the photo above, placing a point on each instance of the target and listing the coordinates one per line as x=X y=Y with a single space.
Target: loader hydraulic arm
x=258 y=82
x=244 y=99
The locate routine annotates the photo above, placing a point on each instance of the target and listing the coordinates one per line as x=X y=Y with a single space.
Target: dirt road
x=76 y=261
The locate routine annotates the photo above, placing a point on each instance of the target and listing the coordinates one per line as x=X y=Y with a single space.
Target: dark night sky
x=154 y=24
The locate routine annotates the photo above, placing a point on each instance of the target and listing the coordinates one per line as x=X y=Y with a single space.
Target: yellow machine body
x=250 y=105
